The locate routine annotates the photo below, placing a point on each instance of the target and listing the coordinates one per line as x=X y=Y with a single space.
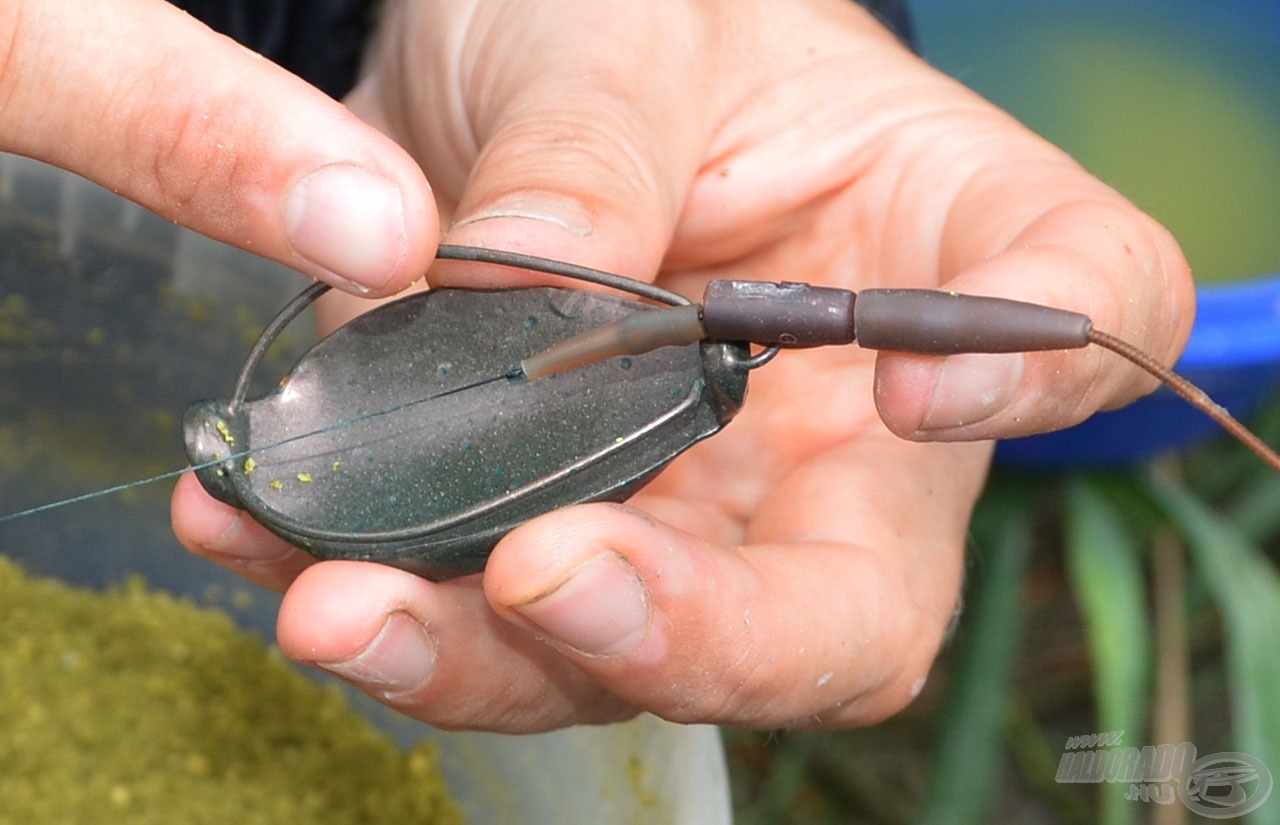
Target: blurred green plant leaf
x=969 y=740
x=1246 y=588
x=1106 y=574
x=1255 y=511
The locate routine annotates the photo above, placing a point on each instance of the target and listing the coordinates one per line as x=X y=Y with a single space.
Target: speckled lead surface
x=431 y=485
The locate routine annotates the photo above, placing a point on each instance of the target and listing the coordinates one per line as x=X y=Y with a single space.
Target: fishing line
x=510 y=375
x=921 y=321
x=1190 y=393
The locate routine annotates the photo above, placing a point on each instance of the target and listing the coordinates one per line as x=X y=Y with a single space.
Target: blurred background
x=1121 y=575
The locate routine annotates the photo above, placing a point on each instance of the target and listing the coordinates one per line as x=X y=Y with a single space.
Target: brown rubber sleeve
x=640 y=332
x=934 y=322
x=786 y=314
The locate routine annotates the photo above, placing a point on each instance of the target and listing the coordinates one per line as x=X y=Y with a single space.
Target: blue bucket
x=1233 y=354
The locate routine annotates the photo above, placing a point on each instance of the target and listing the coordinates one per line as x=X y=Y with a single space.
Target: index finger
x=203 y=131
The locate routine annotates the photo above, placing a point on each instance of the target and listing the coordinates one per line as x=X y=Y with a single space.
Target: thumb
x=580 y=159
x=143 y=99
x=758 y=635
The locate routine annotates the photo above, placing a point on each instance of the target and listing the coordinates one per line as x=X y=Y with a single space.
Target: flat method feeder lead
x=612 y=389
x=412 y=437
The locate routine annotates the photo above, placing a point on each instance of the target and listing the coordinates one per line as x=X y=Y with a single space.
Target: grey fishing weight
x=450 y=445
x=421 y=432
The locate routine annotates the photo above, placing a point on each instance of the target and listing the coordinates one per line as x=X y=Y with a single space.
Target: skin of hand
x=141 y=98
x=800 y=568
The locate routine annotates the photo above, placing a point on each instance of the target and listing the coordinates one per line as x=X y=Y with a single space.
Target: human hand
x=141 y=98
x=801 y=567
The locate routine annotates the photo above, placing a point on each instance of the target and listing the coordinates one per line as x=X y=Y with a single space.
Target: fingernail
x=971 y=388
x=601 y=608
x=350 y=221
x=399 y=660
x=557 y=210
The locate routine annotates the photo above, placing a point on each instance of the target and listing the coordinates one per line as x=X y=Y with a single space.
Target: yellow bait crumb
x=277 y=485
x=121 y=796
x=250 y=465
x=305 y=478
x=225 y=432
x=336 y=465
x=197 y=764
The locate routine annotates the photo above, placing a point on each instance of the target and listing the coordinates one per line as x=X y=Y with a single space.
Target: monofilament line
x=1192 y=394
x=511 y=374
x=119 y=488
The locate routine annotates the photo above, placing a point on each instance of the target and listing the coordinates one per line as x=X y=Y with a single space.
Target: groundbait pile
x=128 y=705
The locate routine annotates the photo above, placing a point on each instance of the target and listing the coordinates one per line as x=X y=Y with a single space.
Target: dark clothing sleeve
x=321 y=40
x=895 y=16
x=318 y=40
